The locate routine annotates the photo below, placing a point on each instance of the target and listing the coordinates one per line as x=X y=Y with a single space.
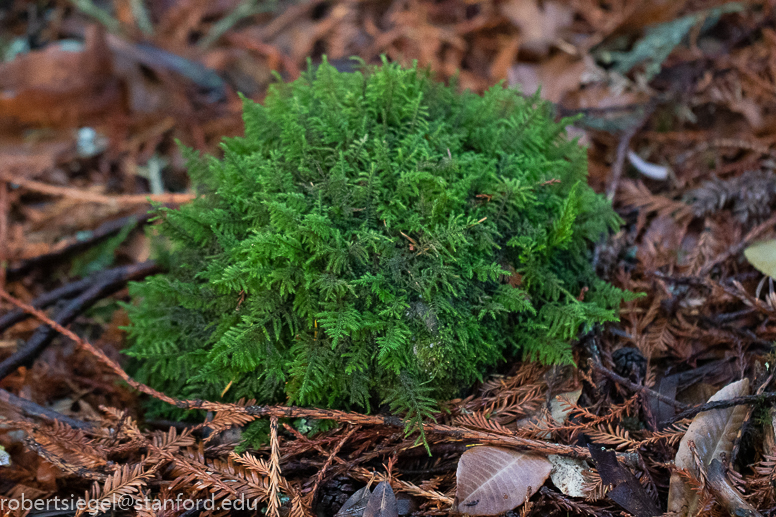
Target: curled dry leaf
x=713 y=433
x=494 y=480
x=626 y=490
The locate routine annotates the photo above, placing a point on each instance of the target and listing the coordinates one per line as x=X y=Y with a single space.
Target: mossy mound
x=374 y=237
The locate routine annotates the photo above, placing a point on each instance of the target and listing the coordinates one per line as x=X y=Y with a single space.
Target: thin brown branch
x=103 y=232
x=31 y=409
x=738 y=248
x=3 y=231
x=762 y=398
x=329 y=460
x=104 y=285
x=93 y=197
x=88 y=347
x=635 y=387
x=65 y=292
x=622 y=150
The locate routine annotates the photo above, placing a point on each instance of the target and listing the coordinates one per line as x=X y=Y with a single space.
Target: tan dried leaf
x=382 y=502
x=356 y=504
x=494 y=480
x=540 y=24
x=713 y=433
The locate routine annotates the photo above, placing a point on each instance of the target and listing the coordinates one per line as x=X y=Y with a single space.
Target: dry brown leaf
x=540 y=25
x=556 y=76
x=382 y=502
x=29 y=159
x=494 y=480
x=58 y=86
x=356 y=504
x=713 y=433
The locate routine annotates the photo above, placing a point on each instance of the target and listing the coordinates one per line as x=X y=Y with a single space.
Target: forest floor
x=676 y=101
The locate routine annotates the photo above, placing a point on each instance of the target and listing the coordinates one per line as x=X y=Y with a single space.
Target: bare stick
x=732 y=251
x=31 y=409
x=91 y=197
x=635 y=387
x=100 y=234
x=105 y=285
x=65 y=292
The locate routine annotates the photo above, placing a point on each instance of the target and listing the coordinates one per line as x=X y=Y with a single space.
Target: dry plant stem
x=762 y=398
x=738 y=248
x=104 y=285
x=61 y=463
x=299 y=436
x=537 y=446
x=330 y=459
x=65 y=292
x=31 y=409
x=619 y=161
x=401 y=485
x=635 y=387
x=91 y=197
x=105 y=231
x=622 y=151
x=98 y=354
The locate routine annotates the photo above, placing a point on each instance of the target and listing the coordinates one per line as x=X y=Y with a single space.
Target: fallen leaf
x=561 y=405
x=356 y=504
x=539 y=25
x=382 y=502
x=568 y=475
x=556 y=76
x=60 y=85
x=762 y=255
x=627 y=491
x=494 y=480
x=713 y=433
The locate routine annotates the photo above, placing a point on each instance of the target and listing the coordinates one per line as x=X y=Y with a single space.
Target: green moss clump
x=374 y=237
